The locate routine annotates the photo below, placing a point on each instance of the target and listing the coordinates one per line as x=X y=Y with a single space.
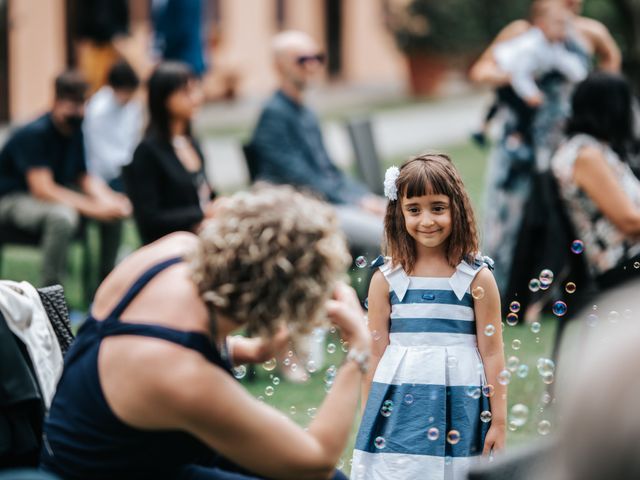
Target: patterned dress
x=606 y=247
x=422 y=418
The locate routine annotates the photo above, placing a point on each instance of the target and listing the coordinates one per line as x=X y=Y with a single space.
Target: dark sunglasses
x=304 y=59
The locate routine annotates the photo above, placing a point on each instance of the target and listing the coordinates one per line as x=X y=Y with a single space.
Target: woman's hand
x=494 y=441
x=345 y=312
x=258 y=350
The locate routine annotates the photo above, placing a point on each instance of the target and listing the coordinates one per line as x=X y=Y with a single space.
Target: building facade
x=36 y=44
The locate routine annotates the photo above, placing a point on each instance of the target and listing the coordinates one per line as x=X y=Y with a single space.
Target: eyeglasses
x=304 y=59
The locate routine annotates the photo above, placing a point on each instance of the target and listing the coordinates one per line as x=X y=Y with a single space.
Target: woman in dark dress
x=147 y=390
x=166 y=180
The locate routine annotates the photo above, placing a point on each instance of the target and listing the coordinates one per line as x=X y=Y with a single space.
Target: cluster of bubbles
x=329 y=377
x=546 y=368
x=543 y=282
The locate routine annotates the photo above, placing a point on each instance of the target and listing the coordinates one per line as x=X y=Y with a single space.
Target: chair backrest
x=55 y=305
x=251 y=158
x=365 y=152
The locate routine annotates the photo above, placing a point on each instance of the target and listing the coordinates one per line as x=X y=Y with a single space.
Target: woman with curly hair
x=147 y=389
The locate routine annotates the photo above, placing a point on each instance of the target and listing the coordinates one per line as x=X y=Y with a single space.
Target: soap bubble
x=331 y=348
x=240 y=372
x=311 y=411
x=570 y=287
x=477 y=293
x=523 y=371
x=269 y=390
x=489 y=330
x=512 y=363
x=276 y=381
x=453 y=437
x=474 y=392
x=311 y=366
x=488 y=390
x=613 y=316
x=514 y=307
x=519 y=414
x=485 y=416
x=504 y=377
x=534 y=284
x=433 y=433
x=546 y=277
x=380 y=443
x=516 y=344
x=577 y=246
x=559 y=308
x=292 y=410
x=512 y=319
x=408 y=399
x=535 y=327
x=544 y=427
x=269 y=364
x=545 y=365
x=387 y=408
x=361 y=262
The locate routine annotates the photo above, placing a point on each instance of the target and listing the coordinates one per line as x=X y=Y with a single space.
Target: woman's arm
x=485 y=70
x=604 y=46
x=487 y=312
x=594 y=176
x=379 y=312
x=195 y=396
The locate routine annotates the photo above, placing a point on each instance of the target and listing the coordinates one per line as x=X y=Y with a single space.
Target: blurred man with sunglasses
x=288 y=147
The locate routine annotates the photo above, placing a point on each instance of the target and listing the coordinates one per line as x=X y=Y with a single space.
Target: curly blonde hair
x=272 y=254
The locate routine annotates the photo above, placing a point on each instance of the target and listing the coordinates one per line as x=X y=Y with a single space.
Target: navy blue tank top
x=84 y=439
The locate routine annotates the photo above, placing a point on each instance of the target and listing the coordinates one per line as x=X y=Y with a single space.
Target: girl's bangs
x=423 y=180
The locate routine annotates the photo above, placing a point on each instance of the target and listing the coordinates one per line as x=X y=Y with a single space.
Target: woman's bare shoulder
x=131 y=268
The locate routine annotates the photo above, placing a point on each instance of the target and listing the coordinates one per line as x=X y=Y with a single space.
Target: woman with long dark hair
x=166 y=180
x=600 y=191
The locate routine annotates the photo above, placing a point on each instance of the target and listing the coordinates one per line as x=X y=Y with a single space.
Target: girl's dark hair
x=167 y=78
x=431 y=174
x=601 y=107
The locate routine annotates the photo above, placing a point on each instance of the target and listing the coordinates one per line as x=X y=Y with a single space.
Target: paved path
x=404 y=130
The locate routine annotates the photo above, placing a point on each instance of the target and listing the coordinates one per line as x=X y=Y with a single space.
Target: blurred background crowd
x=124 y=120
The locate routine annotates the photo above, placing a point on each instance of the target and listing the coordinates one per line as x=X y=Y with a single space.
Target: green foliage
x=461 y=27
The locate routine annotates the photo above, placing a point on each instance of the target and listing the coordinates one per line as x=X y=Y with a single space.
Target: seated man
x=45 y=188
x=289 y=148
x=113 y=125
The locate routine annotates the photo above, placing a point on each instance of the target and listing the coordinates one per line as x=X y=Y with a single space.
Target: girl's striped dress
x=423 y=415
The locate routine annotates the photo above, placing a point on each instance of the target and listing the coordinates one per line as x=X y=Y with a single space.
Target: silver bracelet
x=361 y=357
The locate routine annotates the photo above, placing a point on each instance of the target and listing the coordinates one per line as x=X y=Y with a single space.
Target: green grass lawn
x=295 y=400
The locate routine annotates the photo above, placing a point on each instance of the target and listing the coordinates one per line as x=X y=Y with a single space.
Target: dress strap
x=466 y=271
x=140 y=283
x=395 y=275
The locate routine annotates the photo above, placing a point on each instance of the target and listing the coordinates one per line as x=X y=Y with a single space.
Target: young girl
x=432 y=395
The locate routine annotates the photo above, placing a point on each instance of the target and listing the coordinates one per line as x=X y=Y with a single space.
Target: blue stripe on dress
x=432 y=325
x=445 y=297
x=405 y=429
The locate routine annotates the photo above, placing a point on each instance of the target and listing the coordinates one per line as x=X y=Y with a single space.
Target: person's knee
x=63 y=220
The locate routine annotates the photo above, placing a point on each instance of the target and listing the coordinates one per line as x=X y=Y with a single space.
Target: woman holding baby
x=534 y=65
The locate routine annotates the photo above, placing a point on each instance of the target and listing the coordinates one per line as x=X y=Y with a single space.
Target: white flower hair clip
x=390 y=178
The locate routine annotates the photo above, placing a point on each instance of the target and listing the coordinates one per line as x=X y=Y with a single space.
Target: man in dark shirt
x=45 y=188
x=289 y=147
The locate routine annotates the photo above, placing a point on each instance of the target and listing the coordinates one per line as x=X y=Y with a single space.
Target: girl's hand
x=494 y=439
